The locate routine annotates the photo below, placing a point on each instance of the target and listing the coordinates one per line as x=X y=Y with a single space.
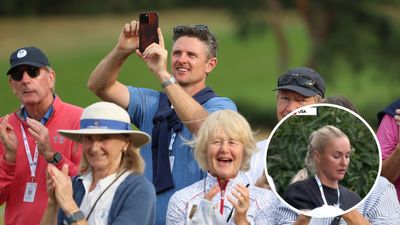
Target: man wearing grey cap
x=297 y=87
x=300 y=87
x=29 y=138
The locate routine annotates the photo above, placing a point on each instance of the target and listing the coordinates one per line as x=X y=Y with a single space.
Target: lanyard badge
x=31 y=186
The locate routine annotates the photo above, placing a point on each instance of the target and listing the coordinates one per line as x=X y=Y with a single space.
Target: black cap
x=28 y=56
x=296 y=80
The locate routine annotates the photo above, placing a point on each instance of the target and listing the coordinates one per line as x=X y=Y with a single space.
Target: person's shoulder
x=216 y=103
x=143 y=91
x=301 y=194
x=300 y=189
x=383 y=183
x=262 y=144
x=383 y=186
x=261 y=191
x=74 y=108
x=349 y=194
x=262 y=195
x=137 y=185
x=346 y=190
x=58 y=103
x=138 y=178
x=302 y=184
x=189 y=192
x=220 y=99
x=143 y=97
x=388 y=120
x=12 y=116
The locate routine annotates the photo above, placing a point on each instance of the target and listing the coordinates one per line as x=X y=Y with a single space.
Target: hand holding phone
x=148 y=24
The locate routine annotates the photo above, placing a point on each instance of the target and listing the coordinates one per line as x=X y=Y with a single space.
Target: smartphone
x=148 y=24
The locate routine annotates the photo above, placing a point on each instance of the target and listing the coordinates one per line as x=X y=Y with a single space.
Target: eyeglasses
x=199 y=27
x=18 y=72
x=300 y=80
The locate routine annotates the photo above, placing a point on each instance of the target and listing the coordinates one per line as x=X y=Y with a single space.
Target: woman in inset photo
x=317 y=187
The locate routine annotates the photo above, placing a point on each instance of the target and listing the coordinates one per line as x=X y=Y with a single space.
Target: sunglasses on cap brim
x=301 y=80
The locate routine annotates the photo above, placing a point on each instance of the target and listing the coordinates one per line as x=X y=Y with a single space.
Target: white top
x=258 y=162
x=99 y=215
x=182 y=201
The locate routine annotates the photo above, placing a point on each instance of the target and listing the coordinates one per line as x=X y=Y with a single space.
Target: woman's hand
x=241 y=204
x=211 y=194
x=61 y=186
x=52 y=201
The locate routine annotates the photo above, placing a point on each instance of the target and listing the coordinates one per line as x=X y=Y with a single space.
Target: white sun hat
x=106 y=118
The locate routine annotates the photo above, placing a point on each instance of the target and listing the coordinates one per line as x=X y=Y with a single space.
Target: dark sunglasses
x=18 y=72
x=199 y=27
x=300 y=80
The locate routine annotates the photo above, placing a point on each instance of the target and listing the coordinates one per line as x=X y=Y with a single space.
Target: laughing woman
x=111 y=189
x=222 y=147
x=328 y=157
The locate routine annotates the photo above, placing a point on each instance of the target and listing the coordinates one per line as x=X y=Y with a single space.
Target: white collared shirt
x=100 y=213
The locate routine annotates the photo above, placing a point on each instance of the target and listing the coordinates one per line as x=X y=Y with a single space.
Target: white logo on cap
x=21 y=53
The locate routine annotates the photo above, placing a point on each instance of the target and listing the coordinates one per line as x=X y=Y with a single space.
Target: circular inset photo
x=323 y=160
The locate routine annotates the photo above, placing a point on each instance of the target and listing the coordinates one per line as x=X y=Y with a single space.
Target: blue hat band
x=104 y=124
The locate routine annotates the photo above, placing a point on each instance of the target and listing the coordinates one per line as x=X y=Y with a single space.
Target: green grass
x=2 y=214
x=246 y=70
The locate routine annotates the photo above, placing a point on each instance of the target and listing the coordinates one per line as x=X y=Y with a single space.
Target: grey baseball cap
x=302 y=80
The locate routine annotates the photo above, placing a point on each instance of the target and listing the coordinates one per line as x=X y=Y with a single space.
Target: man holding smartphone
x=172 y=116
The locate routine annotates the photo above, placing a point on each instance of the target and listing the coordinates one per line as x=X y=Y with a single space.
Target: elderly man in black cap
x=298 y=87
x=29 y=138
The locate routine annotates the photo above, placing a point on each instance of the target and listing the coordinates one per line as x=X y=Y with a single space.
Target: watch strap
x=57 y=157
x=75 y=217
x=168 y=82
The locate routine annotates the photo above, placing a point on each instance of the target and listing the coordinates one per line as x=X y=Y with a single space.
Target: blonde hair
x=234 y=125
x=317 y=143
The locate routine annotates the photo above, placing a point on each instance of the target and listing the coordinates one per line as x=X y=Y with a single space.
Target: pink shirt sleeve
x=7 y=176
x=388 y=135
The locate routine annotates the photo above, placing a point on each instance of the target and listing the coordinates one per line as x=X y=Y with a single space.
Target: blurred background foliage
x=353 y=44
x=354 y=40
x=289 y=144
x=362 y=33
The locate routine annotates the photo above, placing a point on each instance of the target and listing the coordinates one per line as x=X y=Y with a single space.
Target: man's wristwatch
x=168 y=82
x=75 y=217
x=57 y=157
